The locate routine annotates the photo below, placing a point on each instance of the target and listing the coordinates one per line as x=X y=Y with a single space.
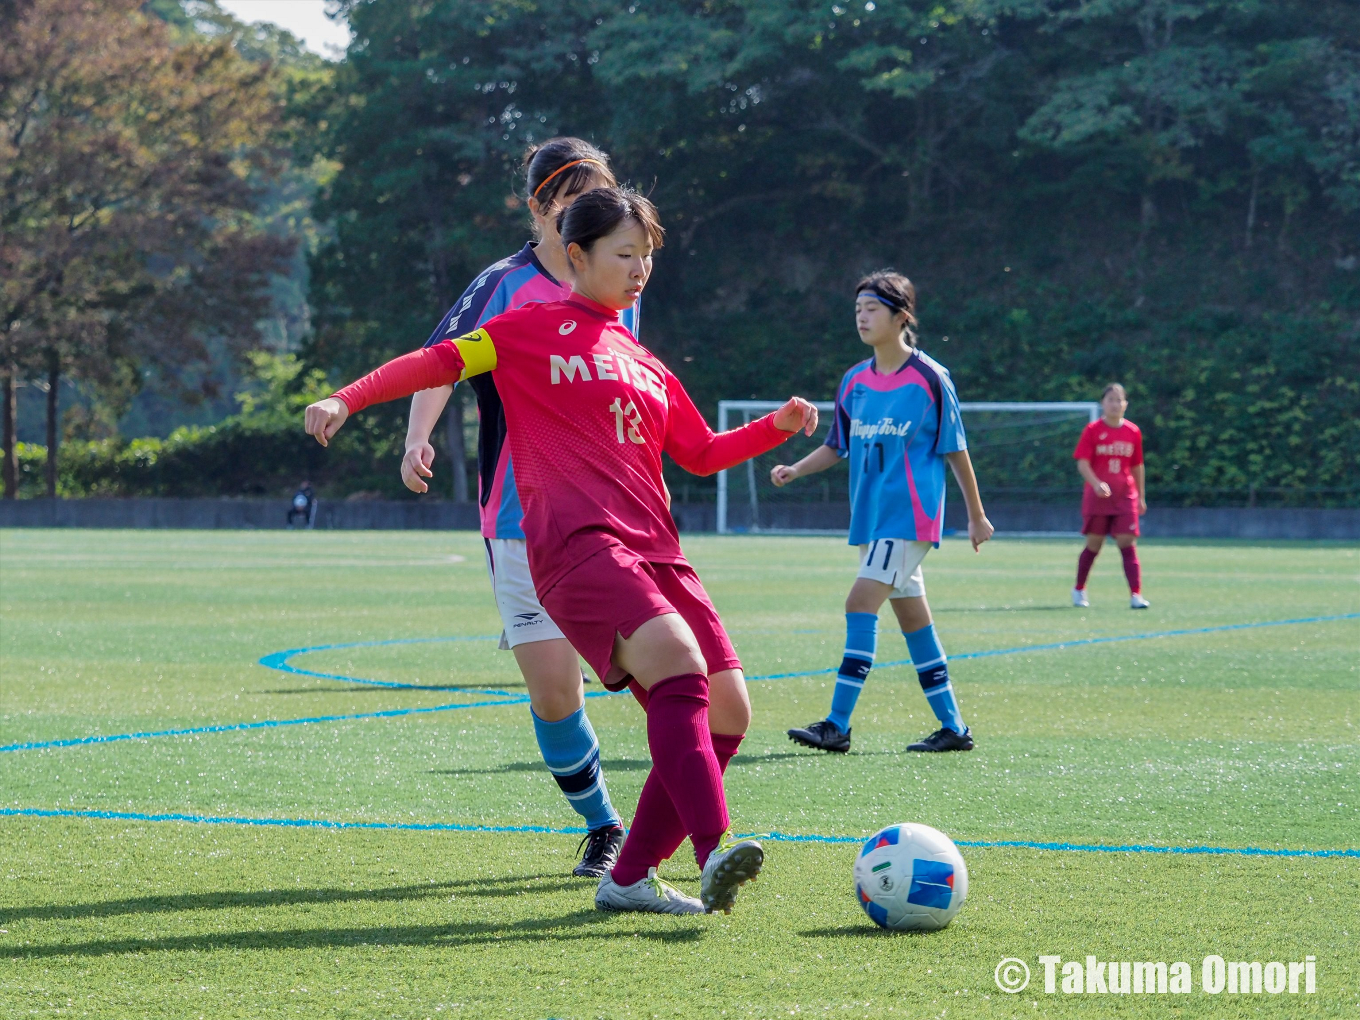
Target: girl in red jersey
x=1109 y=456
x=589 y=412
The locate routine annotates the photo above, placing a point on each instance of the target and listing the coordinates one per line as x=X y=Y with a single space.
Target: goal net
x=1021 y=451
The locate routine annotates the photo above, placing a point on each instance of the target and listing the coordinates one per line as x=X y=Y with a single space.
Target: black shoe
x=824 y=735
x=602 y=848
x=944 y=739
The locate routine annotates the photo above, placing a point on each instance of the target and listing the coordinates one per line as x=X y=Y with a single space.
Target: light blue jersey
x=896 y=429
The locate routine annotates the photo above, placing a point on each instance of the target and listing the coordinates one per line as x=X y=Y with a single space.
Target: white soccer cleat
x=1137 y=601
x=650 y=895
x=1079 y=598
x=728 y=868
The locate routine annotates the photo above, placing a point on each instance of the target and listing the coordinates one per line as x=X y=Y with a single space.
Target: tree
x=1075 y=187
x=126 y=198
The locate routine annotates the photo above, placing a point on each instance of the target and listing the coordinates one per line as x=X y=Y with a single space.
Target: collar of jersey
x=528 y=252
x=594 y=307
x=873 y=365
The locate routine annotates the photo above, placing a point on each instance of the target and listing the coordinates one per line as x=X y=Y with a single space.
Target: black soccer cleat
x=602 y=848
x=944 y=739
x=824 y=736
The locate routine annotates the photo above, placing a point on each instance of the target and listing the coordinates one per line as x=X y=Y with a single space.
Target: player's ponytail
x=898 y=293
x=564 y=166
x=602 y=211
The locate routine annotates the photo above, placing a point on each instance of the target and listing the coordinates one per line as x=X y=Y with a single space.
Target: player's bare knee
x=729 y=706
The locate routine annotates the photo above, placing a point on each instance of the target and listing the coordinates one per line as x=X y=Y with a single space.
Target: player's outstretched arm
x=424 y=369
x=697 y=449
x=979 y=528
x=818 y=460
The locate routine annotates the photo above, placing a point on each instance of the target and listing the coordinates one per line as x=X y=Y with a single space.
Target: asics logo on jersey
x=882 y=427
x=567 y=327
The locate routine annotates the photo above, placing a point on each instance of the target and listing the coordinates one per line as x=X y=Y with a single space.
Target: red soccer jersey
x=589 y=411
x=1113 y=453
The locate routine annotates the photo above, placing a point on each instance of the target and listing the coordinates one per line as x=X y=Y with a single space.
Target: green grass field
x=1244 y=738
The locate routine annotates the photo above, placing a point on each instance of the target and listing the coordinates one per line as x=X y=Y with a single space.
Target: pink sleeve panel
x=424 y=369
x=1137 y=448
x=696 y=448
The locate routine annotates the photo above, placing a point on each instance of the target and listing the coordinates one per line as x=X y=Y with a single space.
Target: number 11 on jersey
x=627 y=415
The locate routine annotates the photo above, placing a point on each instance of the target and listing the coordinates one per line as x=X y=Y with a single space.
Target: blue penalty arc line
x=775 y=837
x=279 y=661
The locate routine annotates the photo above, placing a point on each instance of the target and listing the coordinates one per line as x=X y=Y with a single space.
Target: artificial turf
x=1242 y=738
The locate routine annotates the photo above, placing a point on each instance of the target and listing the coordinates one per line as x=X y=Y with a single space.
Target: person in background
x=1109 y=456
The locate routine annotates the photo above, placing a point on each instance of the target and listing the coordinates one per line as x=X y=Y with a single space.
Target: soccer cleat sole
x=816 y=745
x=591 y=870
x=741 y=866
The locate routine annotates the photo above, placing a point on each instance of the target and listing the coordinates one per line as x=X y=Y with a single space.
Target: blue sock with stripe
x=861 y=644
x=572 y=754
x=932 y=669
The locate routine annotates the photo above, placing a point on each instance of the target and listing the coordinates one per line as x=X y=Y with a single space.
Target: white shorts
x=522 y=617
x=895 y=562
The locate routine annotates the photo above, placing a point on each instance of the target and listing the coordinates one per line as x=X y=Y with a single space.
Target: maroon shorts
x=615 y=591
x=1109 y=524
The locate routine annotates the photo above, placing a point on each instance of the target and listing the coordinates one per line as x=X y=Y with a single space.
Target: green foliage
x=260 y=451
x=1166 y=193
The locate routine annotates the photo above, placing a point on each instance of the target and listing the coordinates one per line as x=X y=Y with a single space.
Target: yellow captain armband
x=478 y=353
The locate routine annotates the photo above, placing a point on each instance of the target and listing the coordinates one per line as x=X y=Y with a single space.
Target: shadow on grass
x=579 y=925
x=608 y=765
x=512 y=885
x=864 y=931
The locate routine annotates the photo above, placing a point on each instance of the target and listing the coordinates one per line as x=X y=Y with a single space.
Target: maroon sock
x=657 y=831
x=1133 y=570
x=1084 y=561
x=687 y=771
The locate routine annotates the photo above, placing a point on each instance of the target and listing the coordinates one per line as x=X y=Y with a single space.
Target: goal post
x=1026 y=444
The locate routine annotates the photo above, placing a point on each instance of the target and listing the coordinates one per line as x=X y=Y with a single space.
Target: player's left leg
x=657 y=830
x=1133 y=570
x=932 y=665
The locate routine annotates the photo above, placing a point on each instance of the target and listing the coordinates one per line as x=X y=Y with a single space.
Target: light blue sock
x=861 y=644
x=932 y=669
x=572 y=754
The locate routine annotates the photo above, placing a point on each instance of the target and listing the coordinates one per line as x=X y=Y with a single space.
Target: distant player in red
x=1109 y=456
x=589 y=412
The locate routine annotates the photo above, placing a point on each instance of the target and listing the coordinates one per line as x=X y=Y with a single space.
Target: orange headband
x=567 y=166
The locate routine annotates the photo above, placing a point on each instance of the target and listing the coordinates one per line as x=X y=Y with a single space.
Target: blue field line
x=572 y=830
x=279 y=661
x=390 y=713
x=1057 y=645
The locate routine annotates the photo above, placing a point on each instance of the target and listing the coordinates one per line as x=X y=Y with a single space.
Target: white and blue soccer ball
x=911 y=878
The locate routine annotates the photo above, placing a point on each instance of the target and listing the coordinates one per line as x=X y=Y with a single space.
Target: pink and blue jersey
x=895 y=429
x=511 y=283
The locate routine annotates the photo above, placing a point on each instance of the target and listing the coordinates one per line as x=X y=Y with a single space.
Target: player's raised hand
x=324 y=418
x=415 y=466
x=782 y=474
x=979 y=531
x=797 y=415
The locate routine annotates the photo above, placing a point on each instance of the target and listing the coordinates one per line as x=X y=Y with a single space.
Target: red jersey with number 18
x=589 y=411
x=1113 y=453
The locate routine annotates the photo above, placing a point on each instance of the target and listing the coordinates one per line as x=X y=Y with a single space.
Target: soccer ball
x=911 y=878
